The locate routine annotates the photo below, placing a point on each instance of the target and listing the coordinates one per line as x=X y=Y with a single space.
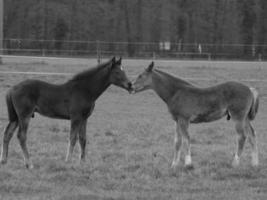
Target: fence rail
x=100 y=49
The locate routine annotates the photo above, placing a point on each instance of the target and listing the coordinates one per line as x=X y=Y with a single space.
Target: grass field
x=130 y=142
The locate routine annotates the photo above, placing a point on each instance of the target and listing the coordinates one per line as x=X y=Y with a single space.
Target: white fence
x=154 y=50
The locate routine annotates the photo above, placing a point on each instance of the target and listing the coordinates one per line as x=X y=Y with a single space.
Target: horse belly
x=53 y=114
x=208 y=117
x=53 y=110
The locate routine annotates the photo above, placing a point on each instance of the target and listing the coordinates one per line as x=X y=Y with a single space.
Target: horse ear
x=119 y=61
x=150 y=67
x=113 y=60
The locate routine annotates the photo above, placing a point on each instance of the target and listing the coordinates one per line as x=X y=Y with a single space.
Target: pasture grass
x=130 y=144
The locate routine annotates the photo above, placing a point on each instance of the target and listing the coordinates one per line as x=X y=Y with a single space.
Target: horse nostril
x=129 y=85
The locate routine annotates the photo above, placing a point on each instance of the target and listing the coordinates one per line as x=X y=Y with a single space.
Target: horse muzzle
x=130 y=88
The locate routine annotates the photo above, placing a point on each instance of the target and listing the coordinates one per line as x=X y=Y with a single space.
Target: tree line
x=222 y=27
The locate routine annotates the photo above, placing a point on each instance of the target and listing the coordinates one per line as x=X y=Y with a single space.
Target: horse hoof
x=173 y=171
x=235 y=164
x=82 y=162
x=3 y=162
x=255 y=164
x=174 y=167
x=189 y=167
x=29 y=166
x=67 y=160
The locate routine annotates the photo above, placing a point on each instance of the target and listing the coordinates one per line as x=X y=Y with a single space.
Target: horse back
x=211 y=103
x=33 y=89
x=31 y=96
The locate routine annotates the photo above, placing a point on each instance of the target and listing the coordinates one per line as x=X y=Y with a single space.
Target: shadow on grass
x=240 y=173
x=15 y=188
x=221 y=170
x=85 y=197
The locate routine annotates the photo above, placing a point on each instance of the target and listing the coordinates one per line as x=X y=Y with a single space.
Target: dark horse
x=73 y=100
x=190 y=104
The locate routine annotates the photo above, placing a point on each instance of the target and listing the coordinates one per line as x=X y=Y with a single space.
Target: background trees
x=213 y=24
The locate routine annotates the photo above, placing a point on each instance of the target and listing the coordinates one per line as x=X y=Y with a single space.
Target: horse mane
x=173 y=79
x=89 y=72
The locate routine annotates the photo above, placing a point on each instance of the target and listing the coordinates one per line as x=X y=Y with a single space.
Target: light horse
x=190 y=104
x=73 y=100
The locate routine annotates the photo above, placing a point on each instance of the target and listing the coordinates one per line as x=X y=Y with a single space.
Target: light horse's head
x=118 y=76
x=144 y=80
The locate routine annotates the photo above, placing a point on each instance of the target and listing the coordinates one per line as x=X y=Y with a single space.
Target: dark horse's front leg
x=82 y=139
x=78 y=130
x=74 y=130
x=81 y=112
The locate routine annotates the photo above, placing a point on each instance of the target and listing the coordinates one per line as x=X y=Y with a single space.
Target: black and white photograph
x=133 y=99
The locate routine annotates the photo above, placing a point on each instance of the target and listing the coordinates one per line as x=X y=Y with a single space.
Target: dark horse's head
x=117 y=75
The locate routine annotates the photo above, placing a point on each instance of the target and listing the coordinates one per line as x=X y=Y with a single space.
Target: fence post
x=209 y=56
x=260 y=57
x=154 y=55
x=43 y=52
x=98 y=52
x=1 y=28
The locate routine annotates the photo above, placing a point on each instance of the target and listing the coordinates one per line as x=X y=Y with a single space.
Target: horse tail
x=12 y=115
x=255 y=104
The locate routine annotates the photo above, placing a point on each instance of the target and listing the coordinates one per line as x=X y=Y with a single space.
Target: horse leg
x=8 y=133
x=82 y=140
x=184 y=127
x=75 y=127
x=177 y=146
x=241 y=138
x=22 y=137
x=252 y=138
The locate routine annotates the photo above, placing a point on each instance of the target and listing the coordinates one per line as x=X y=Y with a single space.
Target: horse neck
x=94 y=84
x=101 y=82
x=166 y=85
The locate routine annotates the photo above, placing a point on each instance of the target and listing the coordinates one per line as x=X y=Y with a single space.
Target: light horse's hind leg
x=241 y=138
x=8 y=133
x=22 y=137
x=252 y=138
x=177 y=146
x=184 y=124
